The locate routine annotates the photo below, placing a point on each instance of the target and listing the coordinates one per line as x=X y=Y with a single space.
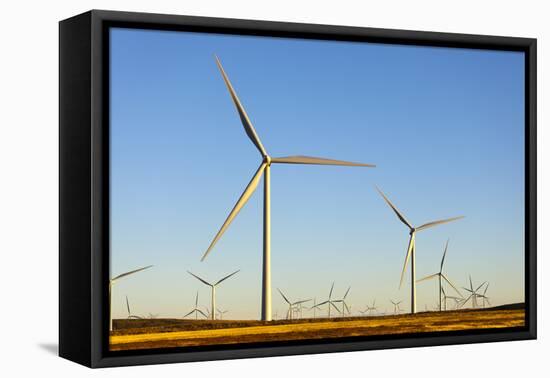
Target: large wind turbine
x=264 y=169
x=329 y=301
x=112 y=281
x=440 y=276
x=196 y=310
x=292 y=305
x=411 y=249
x=212 y=312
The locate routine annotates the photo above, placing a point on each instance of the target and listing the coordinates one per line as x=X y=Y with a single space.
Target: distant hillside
x=512 y=306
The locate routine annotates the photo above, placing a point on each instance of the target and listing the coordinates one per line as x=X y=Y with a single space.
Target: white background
x=29 y=186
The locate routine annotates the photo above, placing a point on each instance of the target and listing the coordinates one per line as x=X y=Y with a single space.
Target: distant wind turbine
x=213 y=287
x=411 y=249
x=264 y=168
x=396 y=308
x=112 y=281
x=196 y=310
x=473 y=294
x=440 y=276
x=130 y=316
x=344 y=304
x=220 y=313
x=329 y=302
x=292 y=306
x=484 y=296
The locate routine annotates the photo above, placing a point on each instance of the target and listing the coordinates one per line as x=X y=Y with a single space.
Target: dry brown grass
x=162 y=333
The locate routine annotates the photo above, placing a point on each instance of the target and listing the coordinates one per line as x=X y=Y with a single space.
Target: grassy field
x=161 y=333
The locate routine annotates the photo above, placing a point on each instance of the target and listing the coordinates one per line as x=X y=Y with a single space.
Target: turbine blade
x=409 y=250
x=444 y=254
x=486 y=287
x=226 y=277
x=331 y=288
x=251 y=187
x=202 y=313
x=471 y=285
x=450 y=283
x=284 y=297
x=438 y=222
x=320 y=304
x=128 y=306
x=347 y=291
x=130 y=272
x=197 y=299
x=395 y=210
x=200 y=279
x=189 y=313
x=479 y=287
x=248 y=128
x=298 y=159
x=427 y=277
x=336 y=307
x=346 y=307
x=303 y=301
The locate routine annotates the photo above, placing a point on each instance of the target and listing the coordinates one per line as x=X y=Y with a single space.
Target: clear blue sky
x=444 y=127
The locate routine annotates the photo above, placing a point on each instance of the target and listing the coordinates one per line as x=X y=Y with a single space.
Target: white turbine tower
x=292 y=306
x=329 y=302
x=441 y=276
x=212 y=311
x=264 y=169
x=411 y=249
x=196 y=310
x=112 y=281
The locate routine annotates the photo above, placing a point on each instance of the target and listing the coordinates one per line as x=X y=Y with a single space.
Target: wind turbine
x=473 y=293
x=292 y=305
x=440 y=276
x=220 y=313
x=264 y=169
x=446 y=297
x=213 y=287
x=329 y=301
x=130 y=316
x=484 y=297
x=396 y=308
x=344 y=304
x=411 y=249
x=196 y=310
x=371 y=308
x=112 y=281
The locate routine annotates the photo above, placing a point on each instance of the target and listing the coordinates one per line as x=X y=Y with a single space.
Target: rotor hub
x=267 y=159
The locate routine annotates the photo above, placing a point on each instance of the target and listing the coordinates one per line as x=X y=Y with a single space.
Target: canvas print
x=268 y=190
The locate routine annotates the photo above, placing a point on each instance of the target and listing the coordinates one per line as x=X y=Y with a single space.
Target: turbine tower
x=411 y=249
x=329 y=301
x=212 y=311
x=112 y=281
x=264 y=169
x=196 y=310
x=292 y=305
x=440 y=276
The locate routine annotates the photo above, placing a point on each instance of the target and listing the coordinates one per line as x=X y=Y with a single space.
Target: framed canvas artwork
x=234 y=188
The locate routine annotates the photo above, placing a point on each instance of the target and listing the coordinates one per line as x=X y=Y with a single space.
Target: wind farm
x=319 y=233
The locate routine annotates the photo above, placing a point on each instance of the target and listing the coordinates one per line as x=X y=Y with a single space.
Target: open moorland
x=132 y=334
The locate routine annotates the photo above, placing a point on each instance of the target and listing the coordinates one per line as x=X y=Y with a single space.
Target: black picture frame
x=84 y=185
